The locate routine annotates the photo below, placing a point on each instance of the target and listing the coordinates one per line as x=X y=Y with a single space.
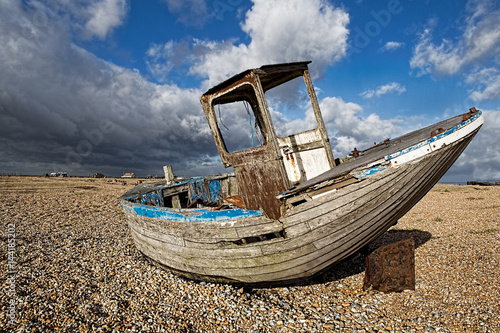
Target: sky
x=113 y=86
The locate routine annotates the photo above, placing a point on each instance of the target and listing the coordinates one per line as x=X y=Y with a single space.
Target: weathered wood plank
x=330 y=212
x=345 y=196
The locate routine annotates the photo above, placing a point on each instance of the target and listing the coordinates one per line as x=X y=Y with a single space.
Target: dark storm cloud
x=63 y=108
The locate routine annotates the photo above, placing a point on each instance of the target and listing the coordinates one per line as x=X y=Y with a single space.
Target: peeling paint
x=191 y=215
x=370 y=171
x=419 y=145
x=206 y=190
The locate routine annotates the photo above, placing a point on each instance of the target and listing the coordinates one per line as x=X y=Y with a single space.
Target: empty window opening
x=290 y=107
x=240 y=121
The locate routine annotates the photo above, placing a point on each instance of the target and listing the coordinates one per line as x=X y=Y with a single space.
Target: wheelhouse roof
x=270 y=75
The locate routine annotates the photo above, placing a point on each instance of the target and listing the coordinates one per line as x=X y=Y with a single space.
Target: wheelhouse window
x=239 y=119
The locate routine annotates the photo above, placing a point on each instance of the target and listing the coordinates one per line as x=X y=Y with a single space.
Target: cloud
x=162 y=59
x=481 y=159
x=473 y=53
x=392 y=87
x=190 y=12
x=479 y=43
x=391 y=46
x=279 y=31
x=345 y=124
x=85 y=19
x=347 y=129
x=104 y=16
x=70 y=111
x=487 y=79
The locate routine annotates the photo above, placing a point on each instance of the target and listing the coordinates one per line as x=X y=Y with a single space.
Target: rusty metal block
x=354 y=153
x=235 y=200
x=468 y=115
x=437 y=132
x=391 y=267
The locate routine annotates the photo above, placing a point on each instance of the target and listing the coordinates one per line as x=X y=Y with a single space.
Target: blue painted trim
x=190 y=215
x=434 y=138
x=369 y=172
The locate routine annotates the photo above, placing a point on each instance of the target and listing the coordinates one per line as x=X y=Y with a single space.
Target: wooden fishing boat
x=289 y=211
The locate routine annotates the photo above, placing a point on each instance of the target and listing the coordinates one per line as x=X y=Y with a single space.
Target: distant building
x=58 y=174
x=128 y=175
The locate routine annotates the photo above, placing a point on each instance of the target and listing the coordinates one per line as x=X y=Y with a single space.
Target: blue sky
x=370 y=61
x=113 y=86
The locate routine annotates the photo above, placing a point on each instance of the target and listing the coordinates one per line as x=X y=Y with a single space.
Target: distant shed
x=58 y=174
x=128 y=175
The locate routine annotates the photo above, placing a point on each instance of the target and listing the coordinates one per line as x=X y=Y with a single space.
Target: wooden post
x=169 y=174
x=169 y=177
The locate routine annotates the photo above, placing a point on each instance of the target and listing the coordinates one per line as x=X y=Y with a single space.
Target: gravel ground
x=68 y=263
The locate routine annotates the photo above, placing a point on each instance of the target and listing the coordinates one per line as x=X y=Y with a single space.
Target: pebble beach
x=68 y=263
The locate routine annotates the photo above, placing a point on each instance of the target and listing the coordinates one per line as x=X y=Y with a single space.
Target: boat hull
x=310 y=238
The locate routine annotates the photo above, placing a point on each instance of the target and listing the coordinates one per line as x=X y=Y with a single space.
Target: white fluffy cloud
x=348 y=129
x=485 y=83
x=479 y=45
x=480 y=42
x=280 y=31
x=87 y=19
x=392 y=87
x=473 y=54
x=391 y=46
x=104 y=16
